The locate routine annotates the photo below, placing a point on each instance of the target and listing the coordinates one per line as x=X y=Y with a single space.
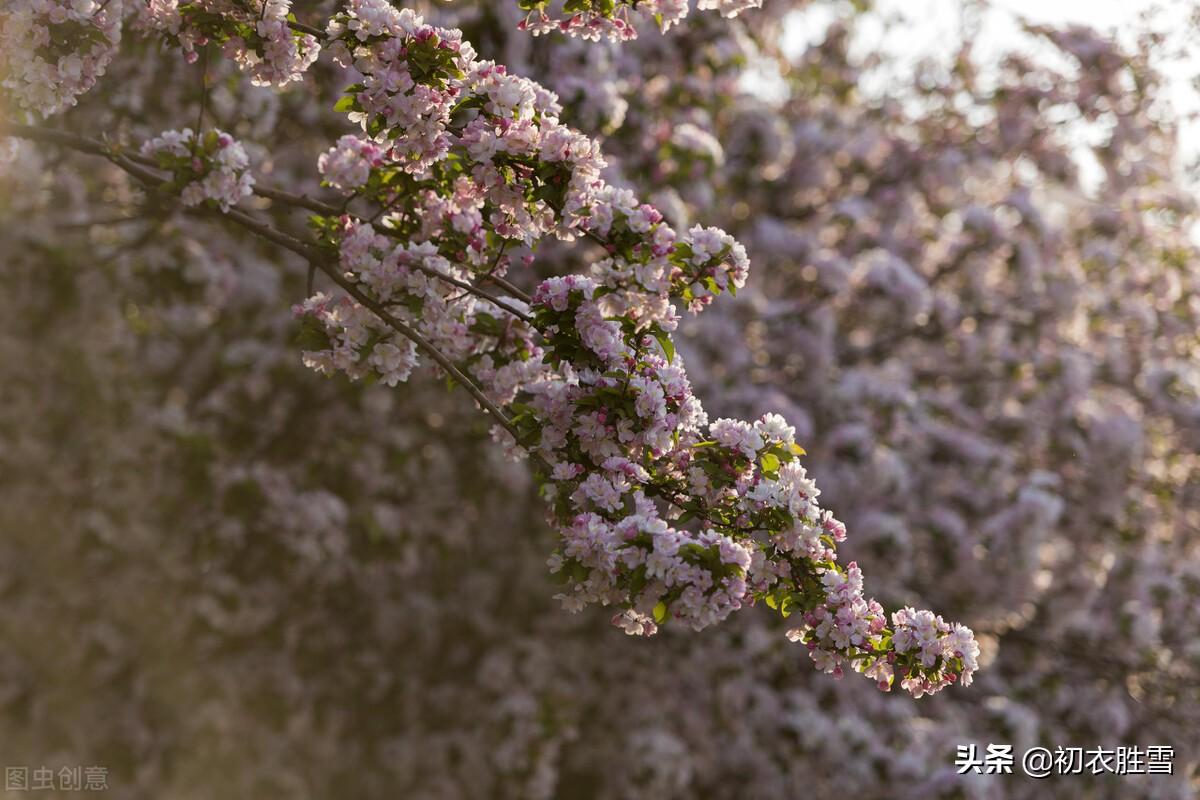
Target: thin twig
x=96 y=147
x=515 y=291
x=491 y=276
x=424 y=344
x=316 y=33
x=313 y=254
x=300 y=200
x=203 y=94
x=475 y=290
x=102 y=222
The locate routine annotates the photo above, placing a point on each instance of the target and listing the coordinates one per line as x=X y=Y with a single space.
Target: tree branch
x=96 y=147
x=404 y=330
x=316 y=33
x=299 y=200
x=475 y=290
x=310 y=252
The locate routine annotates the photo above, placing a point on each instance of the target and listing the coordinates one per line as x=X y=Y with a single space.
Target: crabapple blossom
x=52 y=51
x=347 y=166
x=605 y=19
x=255 y=35
x=588 y=370
x=212 y=167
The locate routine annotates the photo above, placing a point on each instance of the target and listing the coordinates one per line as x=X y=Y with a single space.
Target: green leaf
x=345 y=104
x=769 y=462
x=664 y=341
x=487 y=325
x=312 y=335
x=660 y=612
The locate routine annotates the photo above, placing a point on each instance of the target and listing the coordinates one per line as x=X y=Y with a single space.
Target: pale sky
x=936 y=26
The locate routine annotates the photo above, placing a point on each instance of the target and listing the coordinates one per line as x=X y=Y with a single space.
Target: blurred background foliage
x=974 y=292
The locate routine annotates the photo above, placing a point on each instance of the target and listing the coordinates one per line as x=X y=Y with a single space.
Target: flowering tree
x=988 y=368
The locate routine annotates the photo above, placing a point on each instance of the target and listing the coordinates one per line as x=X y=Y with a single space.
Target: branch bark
x=313 y=254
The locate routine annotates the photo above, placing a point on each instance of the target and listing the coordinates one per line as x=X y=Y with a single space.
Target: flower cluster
x=628 y=432
x=346 y=337
x=661 y=514
x=255 y=34
x=212 y=167
x=405 y=66
x=424 y=92
x=612 y=19
x=421 y=288
x=921 y=648
x=51 y=51
x=347 y=166
x=769 y=537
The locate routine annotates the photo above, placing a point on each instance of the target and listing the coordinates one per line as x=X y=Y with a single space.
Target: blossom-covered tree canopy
x=331 y=322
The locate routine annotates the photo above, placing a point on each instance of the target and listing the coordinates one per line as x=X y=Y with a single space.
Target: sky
x=936 y=26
